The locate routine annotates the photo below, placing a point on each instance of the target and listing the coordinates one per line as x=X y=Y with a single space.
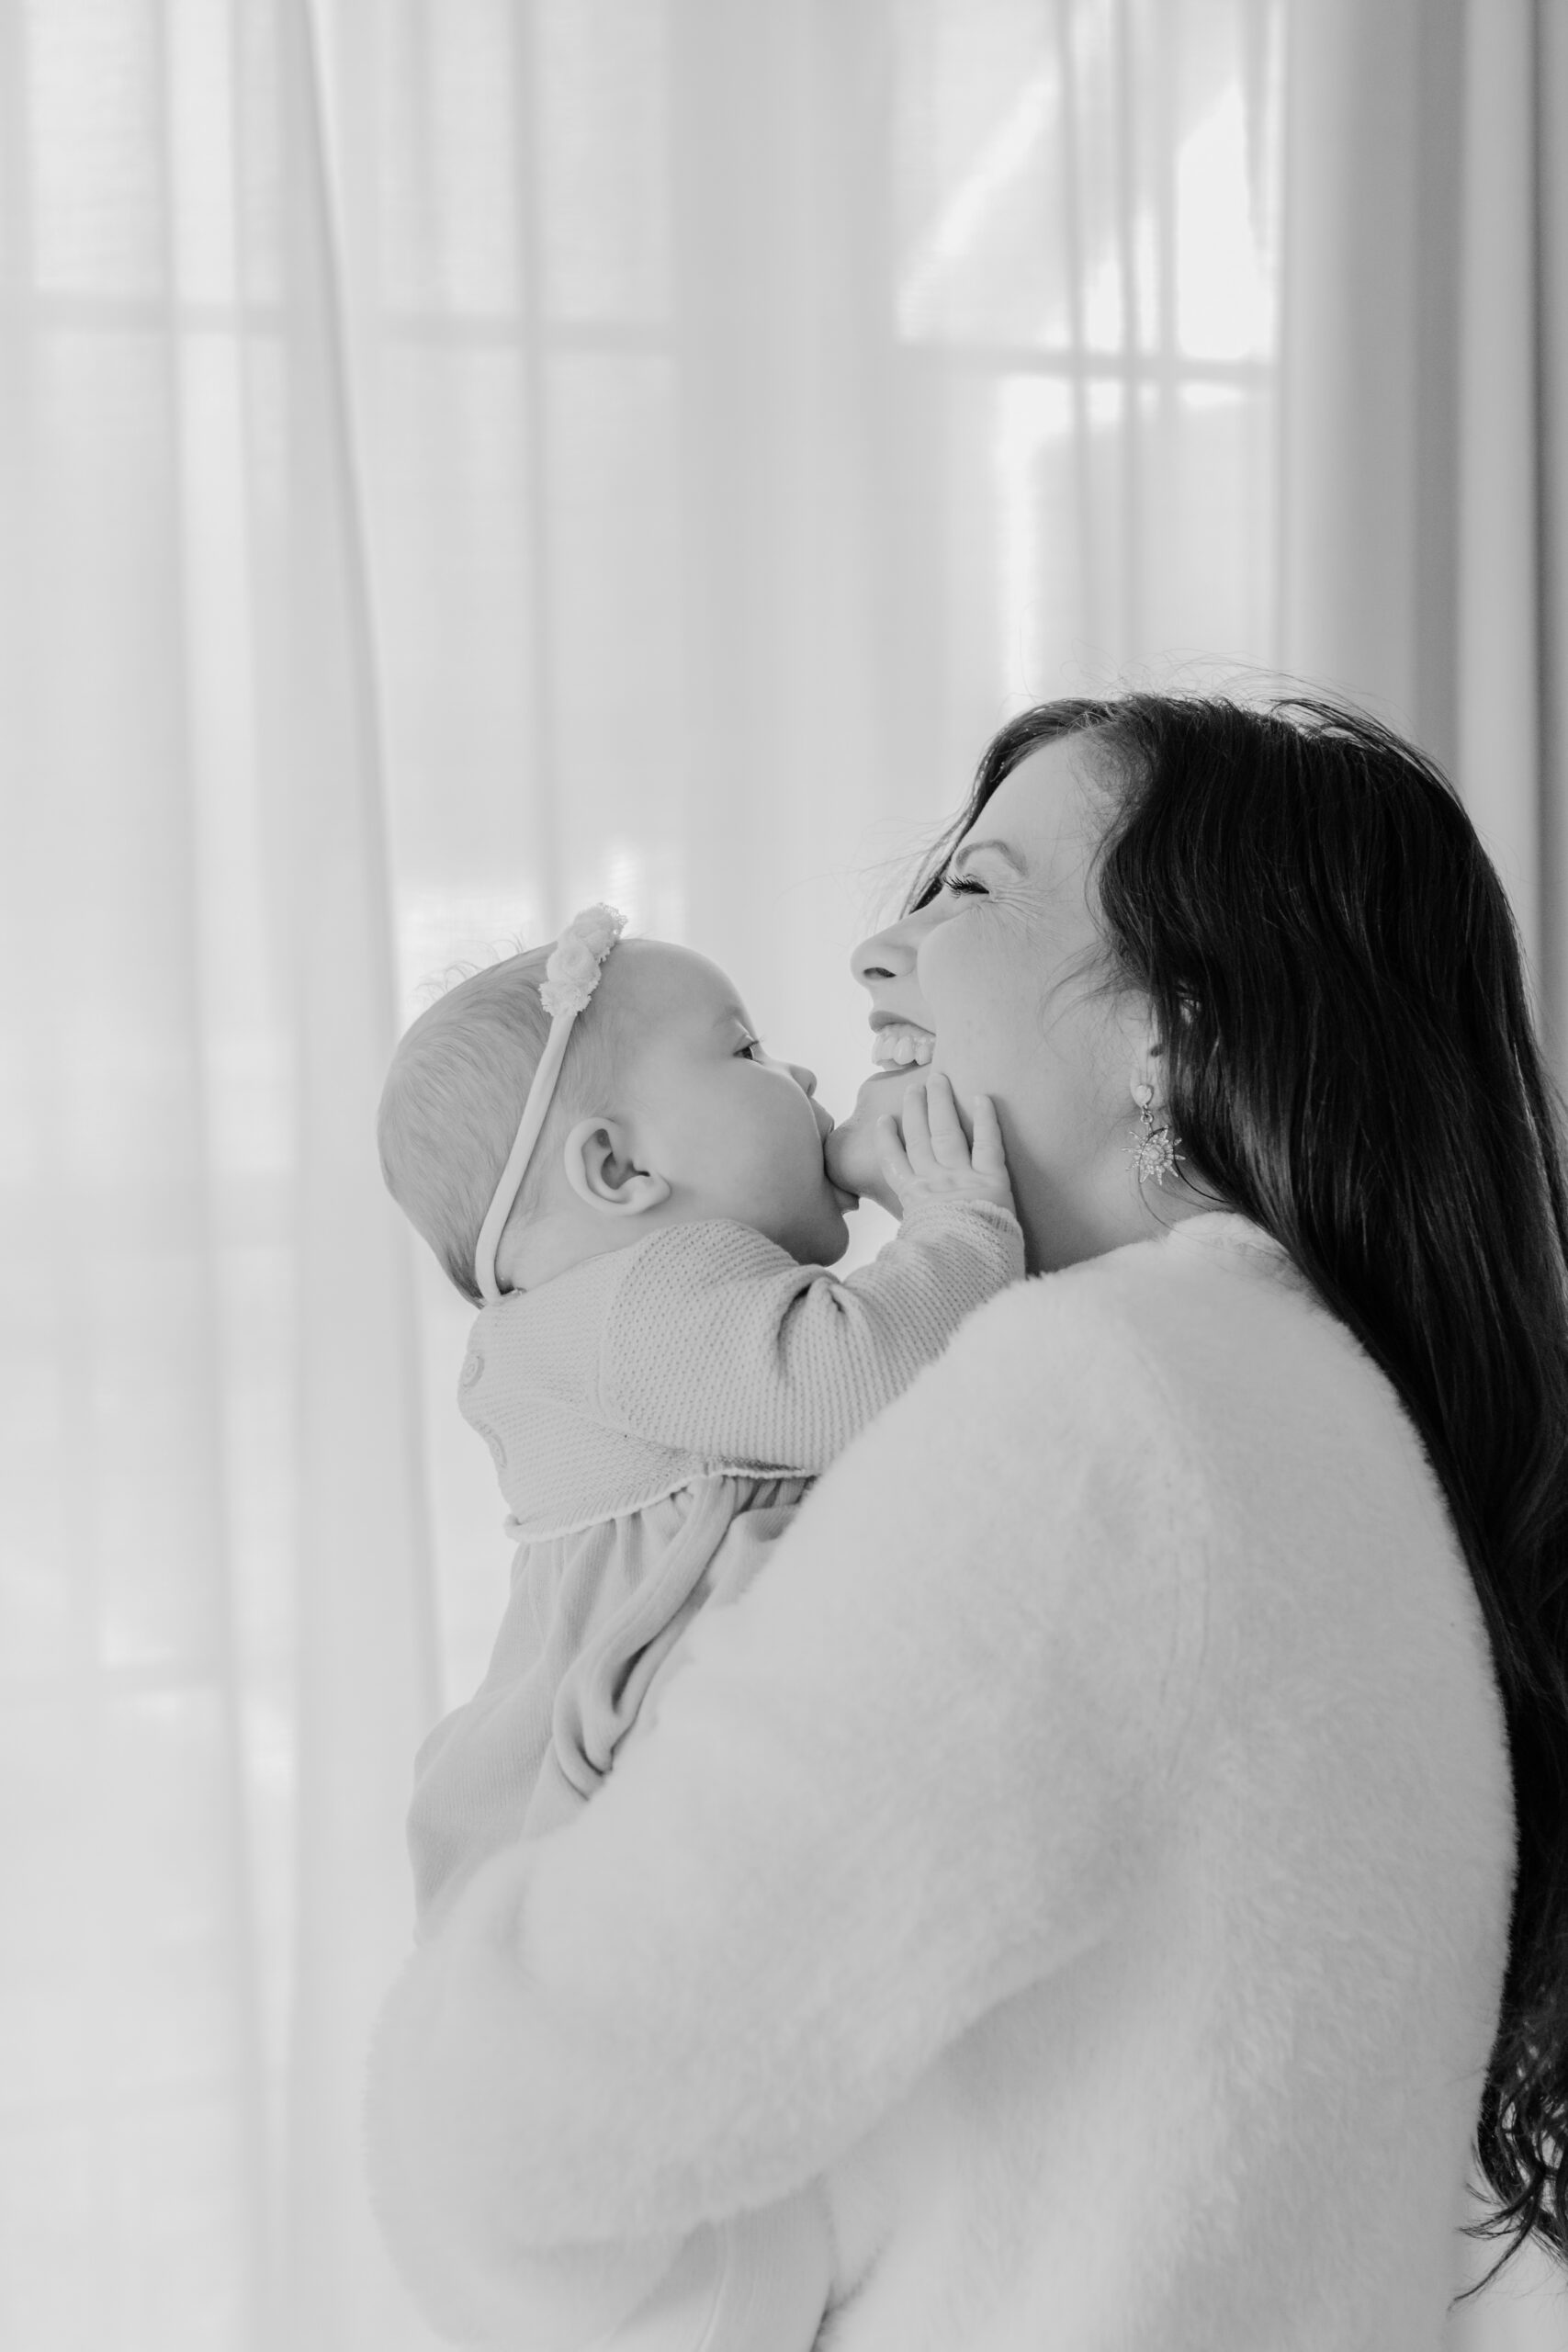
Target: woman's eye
x=964 y=885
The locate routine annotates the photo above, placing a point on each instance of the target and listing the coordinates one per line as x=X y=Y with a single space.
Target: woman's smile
x=896 y=1044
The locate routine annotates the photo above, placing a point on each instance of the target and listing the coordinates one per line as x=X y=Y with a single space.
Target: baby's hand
x=931 y=1160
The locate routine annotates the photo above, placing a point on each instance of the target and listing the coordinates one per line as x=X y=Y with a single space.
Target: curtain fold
x=1370 y=341
x=1422 y=494
x=1498 y=670
x=366 y=1636
x=1550 y=200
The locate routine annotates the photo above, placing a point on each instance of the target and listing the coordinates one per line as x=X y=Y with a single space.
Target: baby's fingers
x=891 y=1153
x=947 y=1137
x=986 y=1152
x=912 y=1118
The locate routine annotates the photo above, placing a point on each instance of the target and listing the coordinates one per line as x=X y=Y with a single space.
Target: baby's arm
x=720 y=1344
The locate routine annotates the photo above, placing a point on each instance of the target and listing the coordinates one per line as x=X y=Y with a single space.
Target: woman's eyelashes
x=963 y=886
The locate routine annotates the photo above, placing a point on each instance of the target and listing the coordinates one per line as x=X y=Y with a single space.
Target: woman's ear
x=601 y=1173
x=1140 y=1041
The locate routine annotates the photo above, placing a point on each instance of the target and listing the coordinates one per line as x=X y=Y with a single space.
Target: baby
x=606 y=1160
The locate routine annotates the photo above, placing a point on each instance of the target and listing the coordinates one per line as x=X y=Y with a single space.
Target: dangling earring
x=1156 y=1151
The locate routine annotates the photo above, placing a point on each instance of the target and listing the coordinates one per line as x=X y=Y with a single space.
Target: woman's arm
x=917 y=1768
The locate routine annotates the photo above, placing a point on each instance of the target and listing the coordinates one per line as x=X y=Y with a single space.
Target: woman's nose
x=889 y=953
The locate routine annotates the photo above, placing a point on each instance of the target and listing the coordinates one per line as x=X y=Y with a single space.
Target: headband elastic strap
x=570 y=980
x=536 y=1110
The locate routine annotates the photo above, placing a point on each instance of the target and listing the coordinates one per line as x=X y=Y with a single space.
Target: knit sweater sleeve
x=922 y=1764
x=719 y=1343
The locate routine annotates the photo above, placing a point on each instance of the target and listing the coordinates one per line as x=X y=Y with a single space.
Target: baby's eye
x=752 y=1051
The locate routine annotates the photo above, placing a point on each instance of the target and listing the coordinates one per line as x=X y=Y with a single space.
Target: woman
x=1109 y=1890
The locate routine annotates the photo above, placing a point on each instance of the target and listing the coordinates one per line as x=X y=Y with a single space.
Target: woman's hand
x=932 y=1160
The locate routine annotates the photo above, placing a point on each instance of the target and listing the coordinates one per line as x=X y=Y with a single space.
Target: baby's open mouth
x=900 y=1043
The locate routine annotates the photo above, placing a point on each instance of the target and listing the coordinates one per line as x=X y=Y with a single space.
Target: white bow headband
x=571 y=978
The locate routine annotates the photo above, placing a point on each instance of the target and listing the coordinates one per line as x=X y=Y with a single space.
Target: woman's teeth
x=893 y=1049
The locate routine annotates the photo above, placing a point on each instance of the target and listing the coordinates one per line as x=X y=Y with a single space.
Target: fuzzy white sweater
x=1088 y=1845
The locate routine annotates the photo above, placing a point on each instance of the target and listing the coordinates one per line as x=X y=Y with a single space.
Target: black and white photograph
x=784 y=1009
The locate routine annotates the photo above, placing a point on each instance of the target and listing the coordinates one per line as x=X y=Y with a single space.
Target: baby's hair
x=453 y=1097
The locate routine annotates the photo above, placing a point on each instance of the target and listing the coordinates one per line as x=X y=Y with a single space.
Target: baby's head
x=455 y=1093
x=668 y=1110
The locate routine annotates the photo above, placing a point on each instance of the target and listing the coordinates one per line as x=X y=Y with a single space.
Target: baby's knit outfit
x=656 y=1416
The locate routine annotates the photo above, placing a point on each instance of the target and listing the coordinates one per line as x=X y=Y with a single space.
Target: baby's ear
x=601 y=1173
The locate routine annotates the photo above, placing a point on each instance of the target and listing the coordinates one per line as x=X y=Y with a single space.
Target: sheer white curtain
x=217 y=1576
x=1424 y=512
x=460 y=458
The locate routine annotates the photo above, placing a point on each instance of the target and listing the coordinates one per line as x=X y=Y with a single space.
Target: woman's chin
x=883 y=1090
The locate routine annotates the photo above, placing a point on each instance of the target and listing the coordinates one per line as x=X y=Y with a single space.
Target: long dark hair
x=1349 y=1059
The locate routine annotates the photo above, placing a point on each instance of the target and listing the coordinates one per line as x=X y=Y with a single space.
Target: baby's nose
x=805 y=1079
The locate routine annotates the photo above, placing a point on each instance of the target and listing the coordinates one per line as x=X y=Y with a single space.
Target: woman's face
x=1004 y=972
